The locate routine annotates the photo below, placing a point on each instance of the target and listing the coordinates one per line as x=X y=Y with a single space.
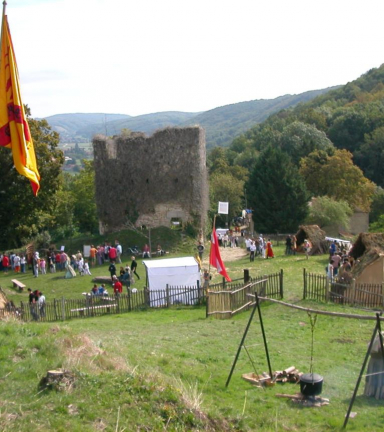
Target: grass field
x=166 y=369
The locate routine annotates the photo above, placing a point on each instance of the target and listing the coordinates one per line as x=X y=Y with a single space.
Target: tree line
x=65 y=205
x=328 y=152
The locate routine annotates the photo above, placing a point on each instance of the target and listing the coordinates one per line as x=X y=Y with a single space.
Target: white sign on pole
x=223 y=208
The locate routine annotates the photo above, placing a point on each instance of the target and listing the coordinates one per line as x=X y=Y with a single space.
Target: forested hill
x=67 y=125
x=350 y=117
x=146 y=123
x=225 y=123
x=221 y=124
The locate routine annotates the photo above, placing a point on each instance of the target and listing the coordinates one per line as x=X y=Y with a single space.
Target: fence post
x=147 y=300
x=281 y=284
x=63 y=308
x=129 y=300
x=327 y=288
x=22 y=311
x=353 y=291
x=198 y=292
x=167 y=294
x=263 y=291
x=246 y=275
x=382 y=294
x=305 y=284
x=206 y=304
x=223 y=282
x=54 y=307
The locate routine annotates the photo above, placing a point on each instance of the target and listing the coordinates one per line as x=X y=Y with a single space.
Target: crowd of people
x=36 y=301
x=14 y=262
x=340 y=263
x=258 y=246
x=228 y=239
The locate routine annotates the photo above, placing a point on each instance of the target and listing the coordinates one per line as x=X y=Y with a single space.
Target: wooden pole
x=167 y=294
x=281 y=283
x=320 y=312
x=377 y=327
x=2 y=27
x=213 y=227
x=241 y=344
x=263 y=332
x=246 y=275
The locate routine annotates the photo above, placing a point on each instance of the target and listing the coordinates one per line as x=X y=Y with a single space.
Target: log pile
x=289 y=375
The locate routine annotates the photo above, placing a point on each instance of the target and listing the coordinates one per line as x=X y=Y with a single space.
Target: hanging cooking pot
x=311 y=384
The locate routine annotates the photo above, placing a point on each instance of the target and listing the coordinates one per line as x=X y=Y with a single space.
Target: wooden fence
x=319 y=287
x=225 y=302
x=91 y=306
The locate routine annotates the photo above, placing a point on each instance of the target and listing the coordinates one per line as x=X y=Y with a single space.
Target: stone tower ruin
x=152 y=181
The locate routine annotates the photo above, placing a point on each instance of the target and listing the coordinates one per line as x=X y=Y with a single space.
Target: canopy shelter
x=338 y=240
x=178 y=273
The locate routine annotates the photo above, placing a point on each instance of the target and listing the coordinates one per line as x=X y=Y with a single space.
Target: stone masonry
x=151 y=180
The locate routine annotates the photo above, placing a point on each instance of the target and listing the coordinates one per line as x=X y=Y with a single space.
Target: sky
x=145 y=56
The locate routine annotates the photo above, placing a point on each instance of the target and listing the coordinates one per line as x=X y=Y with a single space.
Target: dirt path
x=227 y=254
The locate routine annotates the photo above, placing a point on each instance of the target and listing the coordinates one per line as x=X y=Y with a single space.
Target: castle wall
x=149 y=180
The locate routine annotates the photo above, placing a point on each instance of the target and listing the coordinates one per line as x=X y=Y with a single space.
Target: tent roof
x=171 y=262
x=315 y=235
x=367 y=248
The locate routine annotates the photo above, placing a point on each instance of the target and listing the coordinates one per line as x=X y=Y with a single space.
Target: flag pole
x=2 y=26
x=213 y=227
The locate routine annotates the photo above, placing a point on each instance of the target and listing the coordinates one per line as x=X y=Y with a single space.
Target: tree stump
x=59 y=379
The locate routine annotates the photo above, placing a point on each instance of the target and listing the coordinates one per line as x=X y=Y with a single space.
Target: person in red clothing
x=117 y=287
x=270 y=253
x=5 y=264
x=57 y=260
x=112 y=253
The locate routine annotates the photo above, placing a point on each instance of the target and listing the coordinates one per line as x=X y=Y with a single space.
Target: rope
x=312 y=320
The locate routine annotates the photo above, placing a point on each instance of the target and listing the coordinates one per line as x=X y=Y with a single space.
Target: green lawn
x=166 y=369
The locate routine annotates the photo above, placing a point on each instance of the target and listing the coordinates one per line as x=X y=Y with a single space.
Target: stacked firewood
x=290 y=375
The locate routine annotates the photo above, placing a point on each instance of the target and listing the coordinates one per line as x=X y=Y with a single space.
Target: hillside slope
x=351 y=117
x=146 y=123
x=223 y=124
x=67 y=125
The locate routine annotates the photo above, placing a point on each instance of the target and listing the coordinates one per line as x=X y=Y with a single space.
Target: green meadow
x=166 y=369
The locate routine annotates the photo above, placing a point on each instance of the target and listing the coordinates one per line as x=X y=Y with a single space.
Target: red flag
x=215 y=258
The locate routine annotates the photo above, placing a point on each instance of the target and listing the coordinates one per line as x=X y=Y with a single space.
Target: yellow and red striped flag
x=14 y=129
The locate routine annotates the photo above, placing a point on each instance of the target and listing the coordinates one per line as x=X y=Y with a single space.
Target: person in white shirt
x=86 y=270
x=252 y=249
x=119 y=251
x=41 y=304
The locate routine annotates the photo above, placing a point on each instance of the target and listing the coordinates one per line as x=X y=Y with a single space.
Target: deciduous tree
x=226 y=187
x=325 y=211
x=21 y=214
x=337 y=177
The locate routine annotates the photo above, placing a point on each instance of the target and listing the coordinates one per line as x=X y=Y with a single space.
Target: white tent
x=174 y=272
